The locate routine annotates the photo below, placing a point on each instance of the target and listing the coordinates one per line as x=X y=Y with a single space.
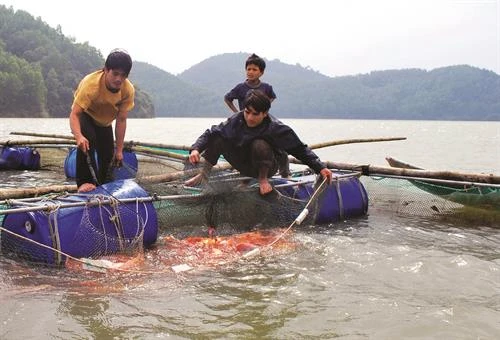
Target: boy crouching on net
x=251 y=141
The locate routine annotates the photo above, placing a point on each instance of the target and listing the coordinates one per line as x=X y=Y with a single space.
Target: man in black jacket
x=250 y=141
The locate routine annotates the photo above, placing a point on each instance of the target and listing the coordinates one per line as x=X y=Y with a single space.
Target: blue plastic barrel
x=10 y=158
x=83 y=231
x=19 y=158
x=30 y=158
x=345 y=198
x=127 y=170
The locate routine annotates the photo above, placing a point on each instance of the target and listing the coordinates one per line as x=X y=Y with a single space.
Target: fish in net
x=82 y=225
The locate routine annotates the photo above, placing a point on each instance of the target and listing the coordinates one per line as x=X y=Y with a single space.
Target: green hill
x=40 y=68
x=173 y=97
x=450 y=93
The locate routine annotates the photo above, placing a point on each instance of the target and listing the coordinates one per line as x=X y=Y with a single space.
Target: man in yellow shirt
x=101 y=97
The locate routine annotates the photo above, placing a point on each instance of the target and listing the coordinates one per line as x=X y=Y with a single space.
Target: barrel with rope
x=344 y=198
x=233 y=203
x=91 y=230
x=128 y=169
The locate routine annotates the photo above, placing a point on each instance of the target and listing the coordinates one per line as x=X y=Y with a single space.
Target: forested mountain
x=173 y=97
x=40 y=68
x=451 y=93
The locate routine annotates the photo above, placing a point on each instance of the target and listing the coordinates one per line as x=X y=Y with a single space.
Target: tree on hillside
x=21 y=86
x=58 y=63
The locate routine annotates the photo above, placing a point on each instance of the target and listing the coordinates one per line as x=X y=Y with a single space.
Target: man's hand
x=116 y=163
x=118 y=156
x=194 y=156
x=82 y=143
x=327 y=174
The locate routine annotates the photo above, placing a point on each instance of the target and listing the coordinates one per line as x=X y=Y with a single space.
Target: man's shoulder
x=91 y=82
x=266 y=86
x=89 y=85
x=128 y=86
x=241 y=85
x=94 y=77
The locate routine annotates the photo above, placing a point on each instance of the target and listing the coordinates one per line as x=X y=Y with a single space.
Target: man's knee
x=263 y=156
x=261 y=149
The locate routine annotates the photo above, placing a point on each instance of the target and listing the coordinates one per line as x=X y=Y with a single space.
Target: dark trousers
x=101 y=141
x=249 y=161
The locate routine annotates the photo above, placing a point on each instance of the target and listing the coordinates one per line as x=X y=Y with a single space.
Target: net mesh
x=227 y=201
x=402 y=197
x=91 y=232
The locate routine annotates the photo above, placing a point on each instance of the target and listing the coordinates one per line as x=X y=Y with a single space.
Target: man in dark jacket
x=250 y=141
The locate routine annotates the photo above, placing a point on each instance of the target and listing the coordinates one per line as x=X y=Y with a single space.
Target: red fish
x=119 y=262
x=191 y=252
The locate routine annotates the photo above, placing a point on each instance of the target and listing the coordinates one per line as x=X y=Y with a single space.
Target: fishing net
x=227 y=201
x=404 y=197
x=89 y=227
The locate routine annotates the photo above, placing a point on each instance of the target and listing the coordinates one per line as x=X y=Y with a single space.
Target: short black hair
x=119 y=59
x=254 y=59
x=257 y=100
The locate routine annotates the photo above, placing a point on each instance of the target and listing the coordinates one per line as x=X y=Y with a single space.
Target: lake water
x=386 y=276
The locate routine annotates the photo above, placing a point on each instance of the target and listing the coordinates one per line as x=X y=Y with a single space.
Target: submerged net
x=478 y=206
x=228 y=202
x=62 y=232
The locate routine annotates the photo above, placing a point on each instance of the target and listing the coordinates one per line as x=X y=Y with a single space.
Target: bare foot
x=193 y=181
x=212 y=232
x=86 y=187
x=265 y=187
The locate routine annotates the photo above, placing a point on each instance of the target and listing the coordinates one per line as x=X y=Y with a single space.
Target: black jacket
x=280 y=136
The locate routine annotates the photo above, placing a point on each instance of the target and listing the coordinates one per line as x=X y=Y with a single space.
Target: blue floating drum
x=127 y=170
x=19 y=158
x=345 y=198
x=88 y=230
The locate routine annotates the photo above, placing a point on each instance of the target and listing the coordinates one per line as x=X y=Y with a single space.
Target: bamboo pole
x=35 y=134
x=37 y=142
x=187 y=148
x=179 y=174
x=166 y=153
x=372 y=170
x=147 y=150
x=355 y=140
x=158 y=145
x=12 y=193
x=133 y=144
x=127 y=143
x=48 y=206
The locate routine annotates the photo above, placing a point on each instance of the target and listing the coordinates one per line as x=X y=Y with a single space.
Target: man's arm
x=230 y=104
x=74 y=123
x=120 y=128
x=308 y=157
x=231 y=96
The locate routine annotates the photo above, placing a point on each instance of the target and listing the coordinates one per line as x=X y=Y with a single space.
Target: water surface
x=388 y=275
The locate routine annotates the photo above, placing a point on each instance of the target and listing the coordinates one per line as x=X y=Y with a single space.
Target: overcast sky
x=333 y=37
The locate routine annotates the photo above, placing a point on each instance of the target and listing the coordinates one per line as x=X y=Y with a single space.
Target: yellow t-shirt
x=99 y=102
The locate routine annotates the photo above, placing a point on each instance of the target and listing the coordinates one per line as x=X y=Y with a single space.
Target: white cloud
x=334 y=37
